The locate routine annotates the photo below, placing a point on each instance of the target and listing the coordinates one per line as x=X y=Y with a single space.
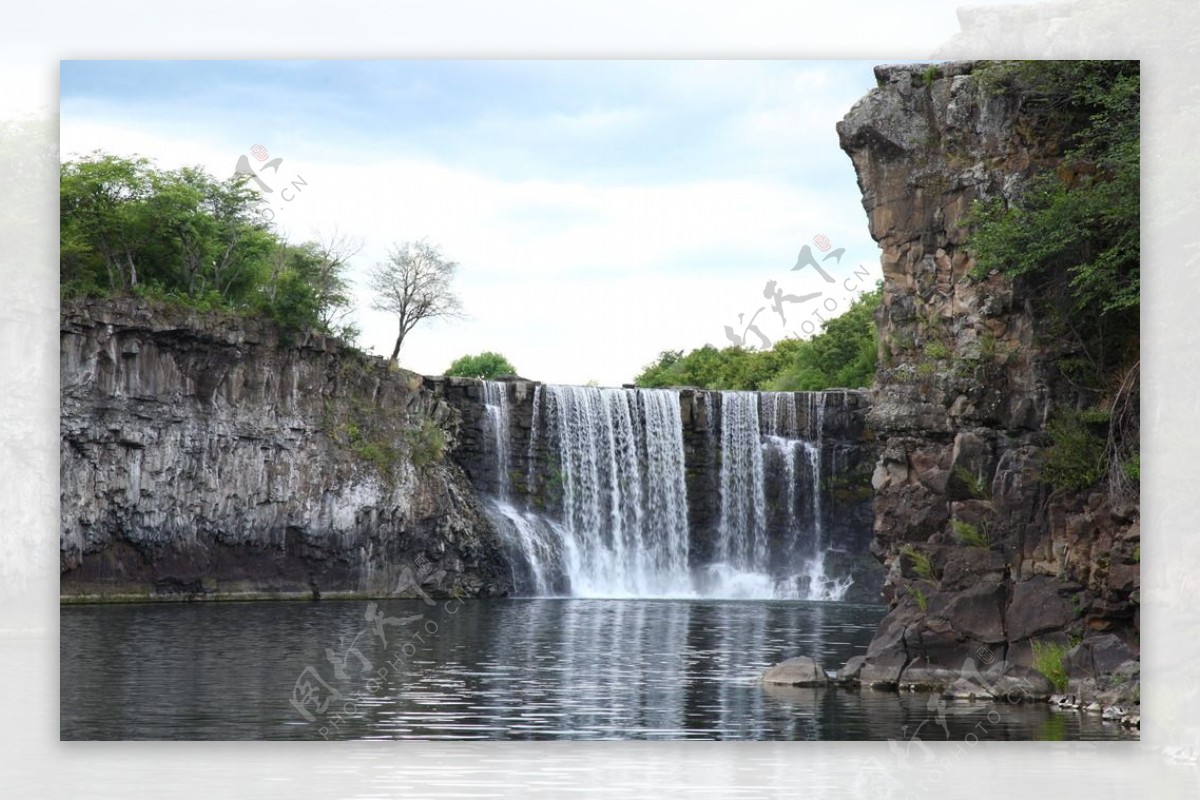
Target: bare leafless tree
x=414 y=285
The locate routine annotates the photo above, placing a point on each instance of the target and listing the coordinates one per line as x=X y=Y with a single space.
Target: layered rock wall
x=204 y=457
x=967 y=380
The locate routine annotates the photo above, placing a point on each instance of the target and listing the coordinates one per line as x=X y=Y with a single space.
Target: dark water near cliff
x=514 y=669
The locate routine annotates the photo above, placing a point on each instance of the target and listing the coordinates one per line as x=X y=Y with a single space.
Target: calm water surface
x=511 y=669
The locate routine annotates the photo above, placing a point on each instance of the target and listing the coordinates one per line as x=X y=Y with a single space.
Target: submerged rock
x=799 y=671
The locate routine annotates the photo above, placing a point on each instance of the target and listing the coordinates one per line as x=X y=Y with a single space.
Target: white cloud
x=571 y=280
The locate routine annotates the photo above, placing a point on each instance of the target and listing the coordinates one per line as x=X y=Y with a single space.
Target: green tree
x=483 y=365
x=842 y=355
x=1074 y=231
x=101 y=224
x=1072 y=238
x=182 y=236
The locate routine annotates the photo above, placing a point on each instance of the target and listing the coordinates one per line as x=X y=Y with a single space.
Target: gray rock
x=799 y=671
x=1038 y=606
x=1099 y=656
x=1020 y=684
x=203 y=457
x=965 y=689
x=851 y=672
x=1113 y=713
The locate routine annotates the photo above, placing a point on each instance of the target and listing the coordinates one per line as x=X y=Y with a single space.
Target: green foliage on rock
x=426 y=443
x=183 y=237
x=1079 y=223
x=1075 y=459
x=1048 y=658
x=1071 y=234
x=483 y=365
x=922 y=565
x=975 y=485
x=969 y=534
x=919 y=596
x=843 y=355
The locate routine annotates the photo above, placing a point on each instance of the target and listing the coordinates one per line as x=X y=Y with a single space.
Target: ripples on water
x=514 y=669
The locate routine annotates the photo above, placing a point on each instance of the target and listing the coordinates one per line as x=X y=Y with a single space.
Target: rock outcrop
x=203 y=457
x=983 y=558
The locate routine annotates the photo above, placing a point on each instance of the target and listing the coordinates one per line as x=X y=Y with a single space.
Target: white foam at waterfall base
x=536 y=547
x=742 y=569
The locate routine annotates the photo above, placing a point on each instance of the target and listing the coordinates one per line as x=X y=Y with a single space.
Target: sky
x=600 y=212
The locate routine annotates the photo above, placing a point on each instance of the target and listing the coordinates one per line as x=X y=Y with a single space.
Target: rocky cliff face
x=967 y=381
x=203 y=457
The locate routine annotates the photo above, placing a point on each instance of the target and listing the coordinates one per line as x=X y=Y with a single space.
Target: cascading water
x=624 y=496
x=495 y=405
x=818 y=586
x=742 y=536
x=534 y=543
x=743 y=565
x=607 y=467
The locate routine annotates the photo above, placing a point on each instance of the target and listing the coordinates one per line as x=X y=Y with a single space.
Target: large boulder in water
x=799 y=671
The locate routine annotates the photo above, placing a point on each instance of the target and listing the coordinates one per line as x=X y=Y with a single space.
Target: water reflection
x=517 y=669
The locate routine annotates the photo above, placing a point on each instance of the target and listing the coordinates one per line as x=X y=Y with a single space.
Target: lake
x=519 y=669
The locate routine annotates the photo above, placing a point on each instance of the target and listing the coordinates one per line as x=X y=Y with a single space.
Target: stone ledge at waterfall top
x=204 y=457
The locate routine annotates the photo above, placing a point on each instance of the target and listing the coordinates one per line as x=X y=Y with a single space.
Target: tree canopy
x=1073 y=235
x=1074 y=230
x=483 y=365
x=183 y=236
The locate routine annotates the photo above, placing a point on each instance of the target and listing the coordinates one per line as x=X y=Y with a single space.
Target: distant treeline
x=842 y=355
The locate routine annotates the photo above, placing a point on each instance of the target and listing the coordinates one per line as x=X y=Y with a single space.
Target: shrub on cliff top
x=483 y=365
x=1072 y=236
x=1080 y=220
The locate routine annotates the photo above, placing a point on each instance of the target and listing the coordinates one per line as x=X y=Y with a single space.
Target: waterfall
x=743 y=564
x=534 y=441
x=817 y=585
x=741 y=535
x=495 y=404
x=604 y=507
x=624 y=496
